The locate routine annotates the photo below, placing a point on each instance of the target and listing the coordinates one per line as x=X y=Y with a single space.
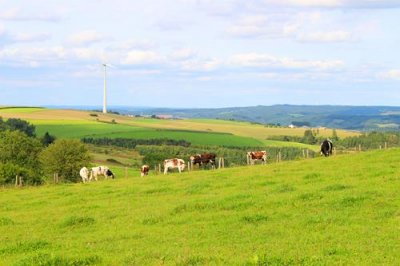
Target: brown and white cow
x=204 y=158
x=174 y=163
x=253 y=156
x=144 y=170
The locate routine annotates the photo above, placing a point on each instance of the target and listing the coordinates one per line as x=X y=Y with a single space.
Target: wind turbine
x=105 y=87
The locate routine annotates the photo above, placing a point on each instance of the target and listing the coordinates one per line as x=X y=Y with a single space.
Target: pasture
x=342 y=210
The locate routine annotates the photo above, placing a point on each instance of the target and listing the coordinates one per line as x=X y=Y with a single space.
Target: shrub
x=65 y=157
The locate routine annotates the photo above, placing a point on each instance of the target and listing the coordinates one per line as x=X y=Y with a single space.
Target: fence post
x=307 y=152
x=223 y=162
x=219 y=162
x=359 y=147
x=304 y=156
x=380 y=147
x=21 y=181
x=248 y=159
x=159 y=168
x=16 y=180
x=386 y=145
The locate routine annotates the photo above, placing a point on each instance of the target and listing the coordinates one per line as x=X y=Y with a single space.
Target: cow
x=144 y=170
x=85 y=174
x=204 y=158
x=326 y=148
x=101 y=170
x=253 y=156
x=174 y=163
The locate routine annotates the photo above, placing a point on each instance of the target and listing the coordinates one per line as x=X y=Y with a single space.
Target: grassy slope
x=340 y=210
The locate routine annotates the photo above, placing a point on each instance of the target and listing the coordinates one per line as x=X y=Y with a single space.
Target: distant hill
x=346 y=117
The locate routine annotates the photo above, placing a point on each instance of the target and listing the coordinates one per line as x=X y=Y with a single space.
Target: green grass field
x=343 y=210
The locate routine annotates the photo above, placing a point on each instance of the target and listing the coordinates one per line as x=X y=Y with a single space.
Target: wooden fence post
x=304 y=156
x=223 y=162
x=359 y=147
x=16 y=180
x=219 y=162
x=159 y=168
x=307 y=152
x=248 y=159
x=386 y=145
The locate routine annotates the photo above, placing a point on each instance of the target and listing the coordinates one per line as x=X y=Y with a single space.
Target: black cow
x=204 y=158
x=326 y=148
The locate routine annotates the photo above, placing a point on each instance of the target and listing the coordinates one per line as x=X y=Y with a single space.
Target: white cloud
x=183 y=54
x=329 y=36
x=33 y=56
x=390 y=74
x=201 y=65
x=17 y=14
x=138 y=57
x=268 y=61
x=30 y=37
x=88 y=37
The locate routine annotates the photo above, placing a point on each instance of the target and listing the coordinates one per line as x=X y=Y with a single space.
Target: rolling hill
x=326 y=211
x=346 y=117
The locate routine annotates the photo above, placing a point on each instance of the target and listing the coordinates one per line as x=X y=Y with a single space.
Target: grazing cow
x=101 y=170
x=204 y=158
x=253 y=156
x=174 y=163
x=85 y=173
x=144 y=170
x=326 y=148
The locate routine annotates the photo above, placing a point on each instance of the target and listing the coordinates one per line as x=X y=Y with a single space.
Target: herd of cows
x=88 y=175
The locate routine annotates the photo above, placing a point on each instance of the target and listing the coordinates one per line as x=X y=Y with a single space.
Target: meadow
x=342 y=210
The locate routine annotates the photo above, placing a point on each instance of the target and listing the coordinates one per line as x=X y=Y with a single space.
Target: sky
x=200 y=53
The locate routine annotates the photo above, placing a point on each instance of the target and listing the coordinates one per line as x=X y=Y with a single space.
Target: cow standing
x=85 y=174
x=204 y=158
x=101 y=170
x=326 y=148
x=253 y=156
x=174 y=163
x=144 y=170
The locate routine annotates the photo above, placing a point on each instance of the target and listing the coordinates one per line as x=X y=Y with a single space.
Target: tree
x=334 y=135
x=48 y=139
x=309 y=137
x=19 y=156
x=65 y=157
x=21 y=125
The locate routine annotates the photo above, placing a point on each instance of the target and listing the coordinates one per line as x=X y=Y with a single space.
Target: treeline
x=34 y=160
x=132 y=143
x=154 y=155
x=367 y=141
x=371 y=140
x=310 y=136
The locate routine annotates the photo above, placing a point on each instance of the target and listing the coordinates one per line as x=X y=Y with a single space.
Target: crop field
x=56 y=120
x=342 y=210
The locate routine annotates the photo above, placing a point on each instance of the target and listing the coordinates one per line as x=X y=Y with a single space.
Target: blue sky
x=200 y=53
